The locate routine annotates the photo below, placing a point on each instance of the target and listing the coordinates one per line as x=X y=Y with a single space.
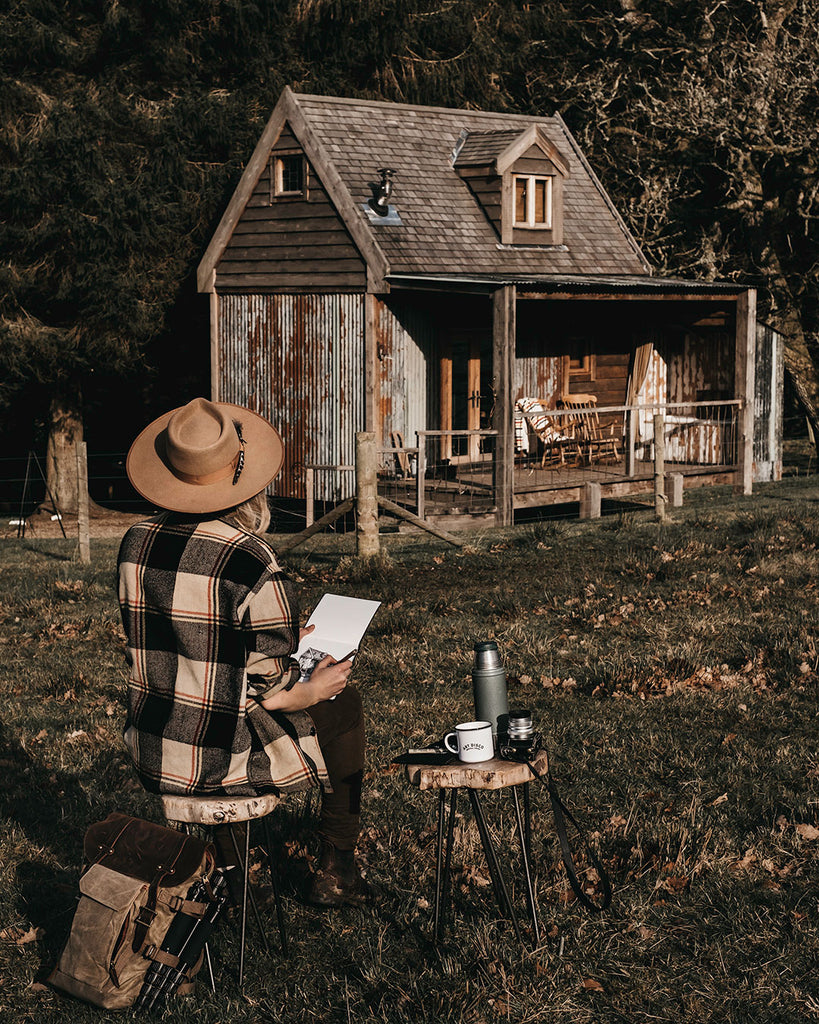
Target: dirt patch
x=42 y=524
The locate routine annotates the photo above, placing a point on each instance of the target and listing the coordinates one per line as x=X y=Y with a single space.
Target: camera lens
x=520 y=725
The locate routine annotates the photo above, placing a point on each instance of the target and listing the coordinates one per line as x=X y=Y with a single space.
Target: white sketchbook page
x=340 y=623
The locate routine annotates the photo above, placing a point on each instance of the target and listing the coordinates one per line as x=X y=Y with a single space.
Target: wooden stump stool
x=209 y=812
x=483 y=775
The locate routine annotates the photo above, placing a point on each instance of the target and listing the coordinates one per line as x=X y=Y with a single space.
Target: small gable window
x=533 y=201
x=288 y=175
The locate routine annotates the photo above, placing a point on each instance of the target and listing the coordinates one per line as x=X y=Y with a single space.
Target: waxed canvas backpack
x=136 y=879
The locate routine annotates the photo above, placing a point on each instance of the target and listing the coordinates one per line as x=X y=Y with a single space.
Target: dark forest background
x=125 y=125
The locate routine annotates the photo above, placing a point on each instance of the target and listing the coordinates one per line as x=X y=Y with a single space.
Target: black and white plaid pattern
x=211 y=623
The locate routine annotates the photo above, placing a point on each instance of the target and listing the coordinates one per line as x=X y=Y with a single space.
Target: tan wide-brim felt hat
x=204 y=457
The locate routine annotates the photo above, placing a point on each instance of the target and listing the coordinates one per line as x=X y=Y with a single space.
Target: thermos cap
x=486 y=655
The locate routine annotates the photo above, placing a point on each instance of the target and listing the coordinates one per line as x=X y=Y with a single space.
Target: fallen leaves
x=20 y=935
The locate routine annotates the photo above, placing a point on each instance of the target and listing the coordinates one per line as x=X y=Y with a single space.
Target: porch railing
x=454 y=470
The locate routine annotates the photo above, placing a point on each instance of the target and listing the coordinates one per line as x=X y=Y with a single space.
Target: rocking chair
x=597 y=443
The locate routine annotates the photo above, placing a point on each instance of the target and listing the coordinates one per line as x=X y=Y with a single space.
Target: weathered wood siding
x=290 y=243
x=298 y=361
x=768 y=388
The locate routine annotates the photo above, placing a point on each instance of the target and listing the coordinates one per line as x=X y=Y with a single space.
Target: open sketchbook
x=340 y=624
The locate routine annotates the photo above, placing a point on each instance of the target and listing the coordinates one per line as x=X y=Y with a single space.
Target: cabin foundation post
x=503 y=354
x=366 y=494
x=744 y=389
x=590 y=501
x=674 y=489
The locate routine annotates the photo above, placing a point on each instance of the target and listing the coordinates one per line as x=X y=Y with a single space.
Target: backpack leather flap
x=110 y=888
x=141 y=849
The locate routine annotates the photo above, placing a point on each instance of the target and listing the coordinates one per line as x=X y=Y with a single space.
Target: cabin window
x=288 y=175
x=580 y=362
x=533 y=201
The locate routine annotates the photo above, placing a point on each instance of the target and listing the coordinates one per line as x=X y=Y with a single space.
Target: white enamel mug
x=471 y=741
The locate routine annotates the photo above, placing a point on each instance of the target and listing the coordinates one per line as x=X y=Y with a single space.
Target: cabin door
x=464 y=392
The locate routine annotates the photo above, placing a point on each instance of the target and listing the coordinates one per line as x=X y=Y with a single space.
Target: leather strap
x=562 y=813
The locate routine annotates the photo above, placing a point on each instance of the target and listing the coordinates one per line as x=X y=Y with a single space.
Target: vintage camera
x=520 y=742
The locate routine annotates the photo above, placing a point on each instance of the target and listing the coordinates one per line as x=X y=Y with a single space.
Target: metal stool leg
x=525 y=840
x=501 y=891
x=274 y=881
x=442 y=877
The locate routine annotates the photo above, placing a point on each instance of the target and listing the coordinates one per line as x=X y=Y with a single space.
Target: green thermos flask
x=489 y=687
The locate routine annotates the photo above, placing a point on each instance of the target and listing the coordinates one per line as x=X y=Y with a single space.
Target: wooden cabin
x=460 y=283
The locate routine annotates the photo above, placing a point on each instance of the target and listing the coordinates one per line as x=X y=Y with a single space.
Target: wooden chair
x=598 y=444
x=559 y=445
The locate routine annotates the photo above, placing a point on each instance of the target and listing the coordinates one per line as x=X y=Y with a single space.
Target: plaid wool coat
x=211 y=623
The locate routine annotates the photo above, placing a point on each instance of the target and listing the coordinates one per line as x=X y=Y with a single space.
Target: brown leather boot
x=337 y=880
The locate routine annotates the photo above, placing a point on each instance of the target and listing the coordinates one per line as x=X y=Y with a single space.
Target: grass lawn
x=674 y=671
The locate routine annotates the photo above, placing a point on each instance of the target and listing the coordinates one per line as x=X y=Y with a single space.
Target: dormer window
x=533 y=201
x=288 y=175
x=517 y=177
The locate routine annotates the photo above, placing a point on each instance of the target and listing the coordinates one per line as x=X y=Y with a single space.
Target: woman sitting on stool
x=215 y=705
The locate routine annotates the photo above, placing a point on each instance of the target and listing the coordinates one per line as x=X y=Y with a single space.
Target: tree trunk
x=65 y=432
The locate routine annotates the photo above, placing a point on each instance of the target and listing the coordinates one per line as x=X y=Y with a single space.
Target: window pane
x=291 y=170
x=541 y=201
x=520 y=200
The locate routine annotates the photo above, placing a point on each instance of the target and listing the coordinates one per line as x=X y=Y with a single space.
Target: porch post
x=503 y=354
x=744 y=389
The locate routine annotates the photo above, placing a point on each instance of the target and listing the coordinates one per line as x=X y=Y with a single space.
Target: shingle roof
x=443 y=227
x=482 y=147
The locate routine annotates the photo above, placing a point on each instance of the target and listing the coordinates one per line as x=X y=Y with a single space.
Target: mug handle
x=454 y=736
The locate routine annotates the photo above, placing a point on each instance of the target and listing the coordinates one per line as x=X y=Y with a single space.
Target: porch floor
x=467 y=488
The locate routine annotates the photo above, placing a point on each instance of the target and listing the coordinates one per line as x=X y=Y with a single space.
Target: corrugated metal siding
x=405 y=343
x=298 y=361
x=768 y=388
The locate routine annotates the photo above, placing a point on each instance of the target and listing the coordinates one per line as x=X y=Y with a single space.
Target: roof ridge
x=469 y=111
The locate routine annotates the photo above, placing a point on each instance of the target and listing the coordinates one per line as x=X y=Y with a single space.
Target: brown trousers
x=340 y=732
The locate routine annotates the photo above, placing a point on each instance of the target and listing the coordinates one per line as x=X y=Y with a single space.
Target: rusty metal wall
x=298 y=360
x=703 y=363
x=537 y=376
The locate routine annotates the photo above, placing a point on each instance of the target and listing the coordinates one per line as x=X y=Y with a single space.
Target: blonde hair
x=252 y=515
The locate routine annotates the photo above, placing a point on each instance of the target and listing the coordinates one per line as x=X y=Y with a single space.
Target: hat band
x=208 y=478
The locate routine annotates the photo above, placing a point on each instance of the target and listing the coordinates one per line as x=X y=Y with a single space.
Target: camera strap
x=562 y=814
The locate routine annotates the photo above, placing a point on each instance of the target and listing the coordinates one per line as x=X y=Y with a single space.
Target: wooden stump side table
x=483 y=775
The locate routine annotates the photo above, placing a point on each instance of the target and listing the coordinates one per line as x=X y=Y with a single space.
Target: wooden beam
x=745 y=362
x=445 y=398
x=503 y=354
x=372 y=384
x=215 y=374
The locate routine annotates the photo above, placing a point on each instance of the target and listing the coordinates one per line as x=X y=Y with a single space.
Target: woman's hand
x=305 y=631
x=326 y=681
x=328 y=678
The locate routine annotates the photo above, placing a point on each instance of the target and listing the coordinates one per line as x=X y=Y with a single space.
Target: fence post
x=309 y=495
x=82 y=503
x=420 y=472
x=674 y=489
x=631 y=440
x=366 y=494
x=659 y=465
x=590 y=501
